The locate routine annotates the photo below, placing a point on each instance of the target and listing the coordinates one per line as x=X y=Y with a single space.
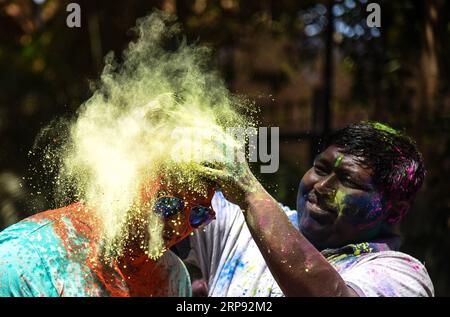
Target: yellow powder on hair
x=148 y=115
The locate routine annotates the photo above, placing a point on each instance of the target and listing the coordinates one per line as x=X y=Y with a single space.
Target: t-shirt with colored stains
x=233 y=266
x=57 y=253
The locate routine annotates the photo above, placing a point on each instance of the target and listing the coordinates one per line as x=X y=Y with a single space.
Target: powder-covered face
x=178 y=227
x=337 y=201
x=162 y=218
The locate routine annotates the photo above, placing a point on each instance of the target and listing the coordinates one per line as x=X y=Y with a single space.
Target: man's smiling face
x=337 y=201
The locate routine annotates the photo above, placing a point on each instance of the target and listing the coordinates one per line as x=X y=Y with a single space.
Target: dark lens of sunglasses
x=168 y=206
x=201 y=216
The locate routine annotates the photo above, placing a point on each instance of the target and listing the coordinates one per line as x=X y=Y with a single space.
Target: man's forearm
x=297 y=266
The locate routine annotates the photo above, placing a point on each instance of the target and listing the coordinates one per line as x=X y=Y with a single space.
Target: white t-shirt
x=233 y=266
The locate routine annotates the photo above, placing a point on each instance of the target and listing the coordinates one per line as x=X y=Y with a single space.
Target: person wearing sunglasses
x=61 y=252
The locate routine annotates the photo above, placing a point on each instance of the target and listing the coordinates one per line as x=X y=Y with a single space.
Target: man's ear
x=397 y=211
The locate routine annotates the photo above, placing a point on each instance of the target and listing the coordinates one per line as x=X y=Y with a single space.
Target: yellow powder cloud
x=128 y=133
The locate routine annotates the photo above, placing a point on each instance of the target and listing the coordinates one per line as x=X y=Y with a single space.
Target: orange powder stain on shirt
x=140 y=277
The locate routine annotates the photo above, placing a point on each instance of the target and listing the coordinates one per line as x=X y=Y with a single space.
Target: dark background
x=309 y=77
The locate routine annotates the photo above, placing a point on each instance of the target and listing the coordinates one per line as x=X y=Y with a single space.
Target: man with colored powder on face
x=340 y=241
x=61 y=252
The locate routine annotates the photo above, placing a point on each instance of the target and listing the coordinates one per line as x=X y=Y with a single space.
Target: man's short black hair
x=396 y=163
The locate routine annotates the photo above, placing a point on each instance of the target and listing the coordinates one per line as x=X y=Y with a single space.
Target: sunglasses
x=199 y=216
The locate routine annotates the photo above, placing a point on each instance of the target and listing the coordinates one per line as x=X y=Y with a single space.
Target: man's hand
x=236 y=181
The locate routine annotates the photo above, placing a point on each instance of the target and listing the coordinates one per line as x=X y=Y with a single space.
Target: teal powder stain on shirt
x=51 y=254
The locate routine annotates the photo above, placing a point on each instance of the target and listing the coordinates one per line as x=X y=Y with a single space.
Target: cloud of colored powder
x=122 y=138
